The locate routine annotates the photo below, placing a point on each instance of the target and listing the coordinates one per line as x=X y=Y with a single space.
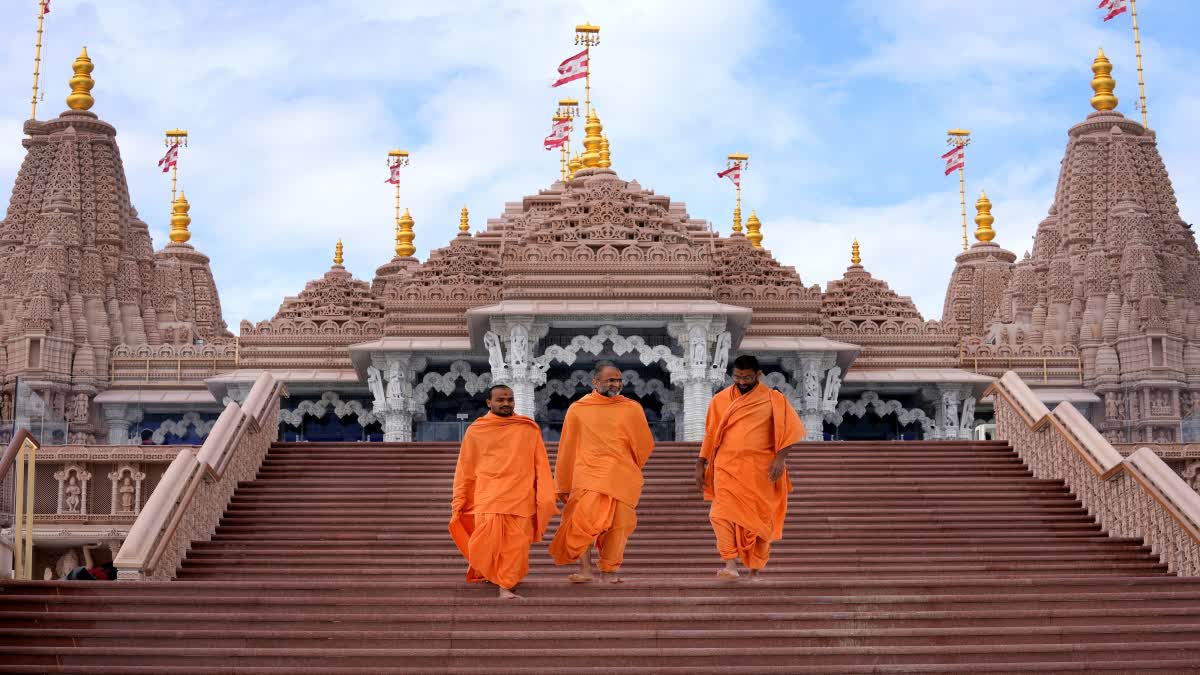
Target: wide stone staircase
x=919 y=557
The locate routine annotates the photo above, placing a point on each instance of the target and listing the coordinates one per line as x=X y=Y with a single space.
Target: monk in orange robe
x=742 y=467
x=605 y=443
x=503 y=494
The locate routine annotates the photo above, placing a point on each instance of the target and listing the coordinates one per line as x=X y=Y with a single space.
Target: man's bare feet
x=729 y=571
x=578 y=578
x=755 y=575
x=507 y=594
x=584 y=574
x=612 y=577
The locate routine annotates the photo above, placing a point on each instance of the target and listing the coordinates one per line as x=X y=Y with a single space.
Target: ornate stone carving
x=72 y=489
x=870 y=400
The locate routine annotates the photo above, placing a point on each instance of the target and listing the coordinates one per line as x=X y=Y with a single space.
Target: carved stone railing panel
x=1139 y=496
x=196 y=488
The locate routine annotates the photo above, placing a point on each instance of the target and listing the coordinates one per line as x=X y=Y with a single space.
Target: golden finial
x=605 y=158
x=337 y=254
x=984 y=219
x=405 y=236
x=81 y=83
x=180 y=220
x=855 y=258
x=1103 y=83
x=737 y=219
x=574 y=165
x=753 y=225
x=592 y=141
x=464 y=223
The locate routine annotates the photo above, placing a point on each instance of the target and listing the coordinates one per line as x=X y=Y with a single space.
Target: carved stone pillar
x=948 y=422
x=695 y=373
x=118 y=417
x=518 y=370
x=818 y=382
x=394 y=402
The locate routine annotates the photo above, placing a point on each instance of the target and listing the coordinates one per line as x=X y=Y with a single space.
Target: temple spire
x=405 y=236
x=180 y=220
x=592 y=141
x=753 y=227
x=605 y=158
x=855 y=258
x=984 y=219
x=1103 y=83
x=81 y=83
x=464 y=223
x=337 y=254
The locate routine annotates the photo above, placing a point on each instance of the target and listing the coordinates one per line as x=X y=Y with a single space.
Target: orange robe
x=742 y=434
x=503 y=497
x=605 y=443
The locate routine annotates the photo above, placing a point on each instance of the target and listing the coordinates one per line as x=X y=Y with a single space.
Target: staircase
x=914 y=557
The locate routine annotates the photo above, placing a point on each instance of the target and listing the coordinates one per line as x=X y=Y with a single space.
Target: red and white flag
x=955 y=159
x=393 y=174
x=170 y=159
x=45 y=6
x=733 y=173
x=572 y=69
x=1113 y=7
x=559 y=133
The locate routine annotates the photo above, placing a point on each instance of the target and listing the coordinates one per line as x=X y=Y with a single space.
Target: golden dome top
x=855 y=259
x=337 y=253
x=1103 y=83
x=180 y=220
x=574 y=165
x=81 y=83
x=984 y=219
x=592 y=140
x=605 y=158
x=753 y=225
x=405 y=236
x=464 y=223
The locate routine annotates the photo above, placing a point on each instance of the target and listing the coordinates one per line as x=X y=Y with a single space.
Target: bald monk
x=742 y=467
x=503 y=494
x=605 y=443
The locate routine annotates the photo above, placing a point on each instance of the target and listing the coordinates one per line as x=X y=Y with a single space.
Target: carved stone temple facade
x=127 y=345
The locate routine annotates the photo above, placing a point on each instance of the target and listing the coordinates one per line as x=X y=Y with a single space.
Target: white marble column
x=118 y=417
x=695 y=374
x=518 y=370
x=394 y=402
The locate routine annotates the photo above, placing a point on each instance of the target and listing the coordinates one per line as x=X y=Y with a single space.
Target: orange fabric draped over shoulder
x=503 y=470
x=742 y=435
x=605 y=443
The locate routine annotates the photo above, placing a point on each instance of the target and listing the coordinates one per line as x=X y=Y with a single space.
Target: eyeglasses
x=613 y=381
x=745 y=380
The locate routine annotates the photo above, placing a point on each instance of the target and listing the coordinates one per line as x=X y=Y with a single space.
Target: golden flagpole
x=37 y=58
x=589 y=36
x=961 y=138
x=568 y=108
x=180 y=137
x=1137 y=46
x=404 y=233
x=741 y=160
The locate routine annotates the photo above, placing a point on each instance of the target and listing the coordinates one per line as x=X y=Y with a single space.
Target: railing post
x=25 y=464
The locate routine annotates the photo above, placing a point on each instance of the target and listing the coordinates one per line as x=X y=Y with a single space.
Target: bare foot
x=755 y=575
x=726 y=573
x=612 y=577
x=507 y=594
x=580 y=578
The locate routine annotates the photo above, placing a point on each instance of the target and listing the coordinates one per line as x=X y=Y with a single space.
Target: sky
x=292 y=105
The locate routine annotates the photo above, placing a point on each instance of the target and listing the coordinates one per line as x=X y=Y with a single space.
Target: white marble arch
x=609 y=334
x=580 y=379
x=179 y=428
x=319 y=408
x=446 y=383
x=870 y=399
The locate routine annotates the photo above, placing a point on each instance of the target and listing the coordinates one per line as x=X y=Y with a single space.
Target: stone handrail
x=1137 y=496
x=196 y=487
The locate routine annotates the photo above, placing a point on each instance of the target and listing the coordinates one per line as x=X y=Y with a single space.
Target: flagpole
x=568 y=108
x=175 y=137
x=741 y=160
x=37 y=58
x=961 y=138
x=397 y=158
x=589 y=36
x=1137 y=46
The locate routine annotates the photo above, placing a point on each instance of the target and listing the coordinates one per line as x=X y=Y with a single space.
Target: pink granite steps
x=898 y=557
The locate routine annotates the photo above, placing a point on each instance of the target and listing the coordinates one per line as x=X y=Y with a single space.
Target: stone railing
x=196 y=487
x=1137 y=496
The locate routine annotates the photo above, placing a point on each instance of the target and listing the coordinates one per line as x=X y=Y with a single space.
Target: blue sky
x=842 y=106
